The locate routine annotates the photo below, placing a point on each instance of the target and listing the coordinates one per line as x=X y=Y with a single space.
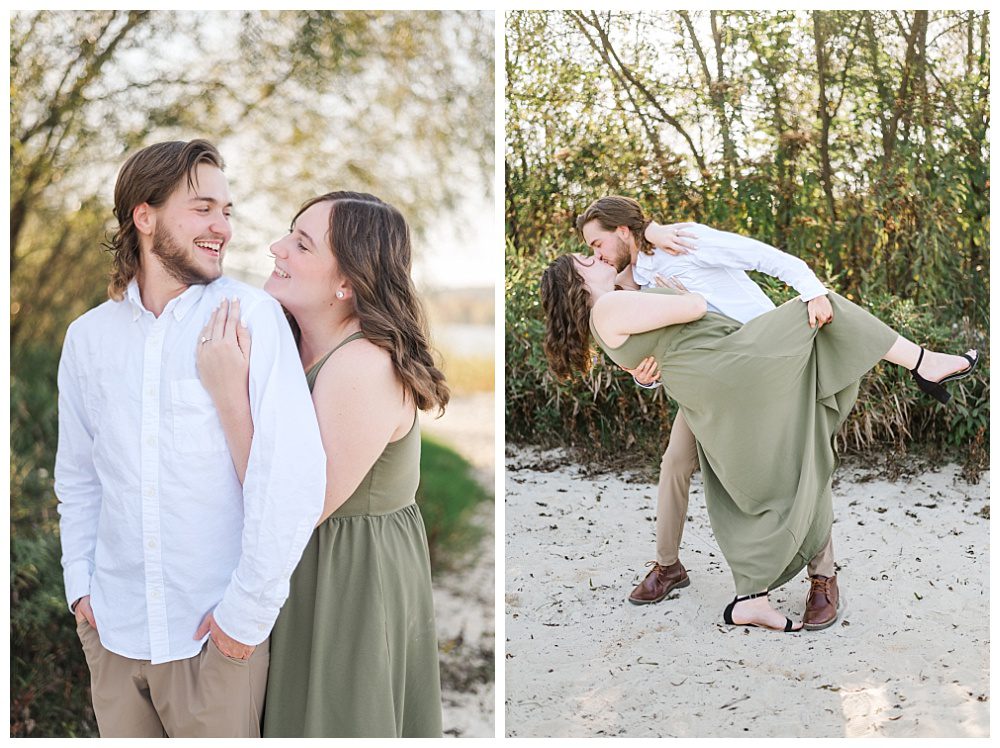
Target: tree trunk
x=825 y=114
x=646 y=93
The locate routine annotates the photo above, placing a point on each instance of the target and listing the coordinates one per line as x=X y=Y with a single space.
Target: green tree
x=399 y=103
x=856 y=140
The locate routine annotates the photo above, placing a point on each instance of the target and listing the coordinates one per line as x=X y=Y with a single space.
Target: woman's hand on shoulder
x=223 y=354
x=675 y=238
x=670 y=282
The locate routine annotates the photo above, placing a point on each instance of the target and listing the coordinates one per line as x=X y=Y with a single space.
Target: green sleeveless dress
x=354 y=650
x=764 y=401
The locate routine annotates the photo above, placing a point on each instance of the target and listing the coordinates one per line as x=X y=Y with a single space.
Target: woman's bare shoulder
x=614 y=300
x=361 y=367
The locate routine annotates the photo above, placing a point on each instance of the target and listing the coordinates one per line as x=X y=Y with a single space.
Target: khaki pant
x=676 y=468
x=205 y=696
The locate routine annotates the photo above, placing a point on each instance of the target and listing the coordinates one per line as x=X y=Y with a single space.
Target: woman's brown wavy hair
x=149 y=176
x=371 y=242
x=566 y=303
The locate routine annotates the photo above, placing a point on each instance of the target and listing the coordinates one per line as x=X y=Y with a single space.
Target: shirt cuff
x=77 y=579
x=244 y=618
x=814 y=294
x=650 y=386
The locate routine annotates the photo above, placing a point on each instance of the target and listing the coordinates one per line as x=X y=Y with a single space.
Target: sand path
x=909 y=658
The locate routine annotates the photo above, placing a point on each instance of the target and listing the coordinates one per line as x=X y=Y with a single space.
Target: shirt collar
x=645 y=261
x=184 y=302
x=132 y=294
x=178 y=306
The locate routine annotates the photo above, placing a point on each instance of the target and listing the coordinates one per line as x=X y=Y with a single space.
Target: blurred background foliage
x=395 y=103
x=856 y=140
x=399 y=104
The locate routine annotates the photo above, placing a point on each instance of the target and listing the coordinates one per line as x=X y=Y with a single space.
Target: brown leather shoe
x=659 y=582
x=823 y=604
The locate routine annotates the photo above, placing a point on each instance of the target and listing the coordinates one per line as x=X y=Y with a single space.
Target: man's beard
x=177 y=262
x=622 y=257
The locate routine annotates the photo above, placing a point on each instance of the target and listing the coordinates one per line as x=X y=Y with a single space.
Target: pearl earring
x=340 y=294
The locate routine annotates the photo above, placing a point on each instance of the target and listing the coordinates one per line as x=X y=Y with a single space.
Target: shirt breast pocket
x=197 y=428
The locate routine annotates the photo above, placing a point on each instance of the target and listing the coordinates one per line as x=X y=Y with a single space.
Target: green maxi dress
x=764 y=401
x=354 y=650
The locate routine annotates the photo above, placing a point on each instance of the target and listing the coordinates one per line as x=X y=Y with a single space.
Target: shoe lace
x=820 y=584
x=658 y=568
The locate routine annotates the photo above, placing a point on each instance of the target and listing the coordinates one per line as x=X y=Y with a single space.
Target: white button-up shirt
x=717 y=271
x=155 y=525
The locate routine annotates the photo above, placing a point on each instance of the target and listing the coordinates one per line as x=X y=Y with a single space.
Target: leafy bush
x=49 y=679
x=603 y=414
x=622 y=102
x=447 y=497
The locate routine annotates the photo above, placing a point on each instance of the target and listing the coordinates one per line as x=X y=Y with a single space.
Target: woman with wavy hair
x=354 y=650
x=764 y=400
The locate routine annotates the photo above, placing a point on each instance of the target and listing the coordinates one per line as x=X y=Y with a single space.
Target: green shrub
x=447 y=496
x=49 y=679
x=607 y=418
x=896 y=217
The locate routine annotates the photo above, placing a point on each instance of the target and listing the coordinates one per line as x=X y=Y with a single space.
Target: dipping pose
x=764 y=401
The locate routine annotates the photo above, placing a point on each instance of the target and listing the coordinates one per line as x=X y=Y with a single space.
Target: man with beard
x=174 y=571
x=703 y=260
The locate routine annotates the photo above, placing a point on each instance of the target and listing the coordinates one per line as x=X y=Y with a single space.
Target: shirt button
x=150 y=441
x=155 y=594
x=150 y=491
x=151 y=543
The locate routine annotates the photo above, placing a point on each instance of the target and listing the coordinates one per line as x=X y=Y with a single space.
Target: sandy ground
x=464 y=601
x=910 y=656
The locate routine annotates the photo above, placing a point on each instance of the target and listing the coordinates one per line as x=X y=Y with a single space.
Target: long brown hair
x=566 y=303
x=371 y=242
x=613 y=211
x=149 y=176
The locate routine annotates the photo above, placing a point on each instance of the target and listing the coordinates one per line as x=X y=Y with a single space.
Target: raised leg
x=933 y=366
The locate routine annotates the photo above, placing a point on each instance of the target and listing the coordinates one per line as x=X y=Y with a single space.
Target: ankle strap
x=741 y=598
x=919 y=359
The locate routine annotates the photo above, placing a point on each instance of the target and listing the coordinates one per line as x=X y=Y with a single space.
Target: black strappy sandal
x=727 y=616
x=936 y=389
